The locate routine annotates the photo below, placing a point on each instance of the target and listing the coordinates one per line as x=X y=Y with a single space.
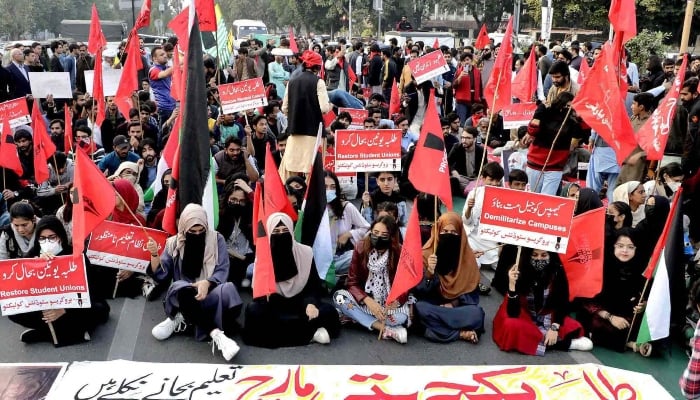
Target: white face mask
x=674 y=186
x=51 y=248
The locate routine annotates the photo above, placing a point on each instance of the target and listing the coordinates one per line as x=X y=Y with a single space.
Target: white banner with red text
x=123 y=246
x=243 y=95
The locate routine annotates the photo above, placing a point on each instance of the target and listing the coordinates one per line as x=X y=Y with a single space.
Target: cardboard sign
x=534 y=220
x=243 y=95
x=517 y=115
x=34 y=284
x=358 y=115
x=46 y=83
x=123 y=246
x=110 y=80
x=16 y=112
x=373 y=150
x=428 y=66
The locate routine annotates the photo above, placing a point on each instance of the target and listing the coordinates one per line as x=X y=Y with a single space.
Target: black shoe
x=35 y=336
x=484 y=290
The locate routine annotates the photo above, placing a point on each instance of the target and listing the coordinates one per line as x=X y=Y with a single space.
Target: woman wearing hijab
x=669 y=179
x=656 y=210
x=296 y=310
x=371 y=275
x=236 y=226
x=159 y=200
x=196 y=261
x=587 y=199
x=633 y=194
x=448 y=298
x=71 y=325
x=534 y=314
x=130 y=171
x=19 y=237
x=608 y=316
x=305 y=102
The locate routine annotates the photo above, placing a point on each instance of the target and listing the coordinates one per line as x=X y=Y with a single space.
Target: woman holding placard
x=534 y=314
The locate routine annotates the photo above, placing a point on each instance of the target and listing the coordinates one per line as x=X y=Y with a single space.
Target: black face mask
x=193 y=259
x=235 y=209
x=447 y=253
x=379 y=243
x=282 y=256
x=648 y=211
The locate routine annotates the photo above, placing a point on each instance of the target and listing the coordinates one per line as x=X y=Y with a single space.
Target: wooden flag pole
x=488 y=130
x=687 y=22
x=54 y=338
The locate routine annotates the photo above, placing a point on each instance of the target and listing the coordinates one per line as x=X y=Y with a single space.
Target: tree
x=21 y=20
x=491 y=15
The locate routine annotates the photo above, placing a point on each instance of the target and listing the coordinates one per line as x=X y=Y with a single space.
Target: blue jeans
x=348 y=306
x=341 y=98
x=594 y=180
x=464 y=111
x=549 y=184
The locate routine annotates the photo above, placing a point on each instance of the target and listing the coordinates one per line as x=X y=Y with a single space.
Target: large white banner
x=127 y=380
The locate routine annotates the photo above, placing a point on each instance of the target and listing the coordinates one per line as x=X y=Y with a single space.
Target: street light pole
x=133 y=14
x=350 y=21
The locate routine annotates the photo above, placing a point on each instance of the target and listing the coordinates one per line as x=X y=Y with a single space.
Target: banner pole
x=687 y=22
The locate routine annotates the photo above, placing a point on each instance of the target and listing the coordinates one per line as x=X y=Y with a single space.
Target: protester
x=17 y=239
x=236 y=226
x=633 y=194
x=387 y=191
x=669 y=179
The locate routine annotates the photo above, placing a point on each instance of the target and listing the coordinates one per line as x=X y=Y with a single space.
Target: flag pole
x=488 y=130
x=551 y=149
x=53 y=333
x=435 y=218
x=634 y=315
x=138 y=222
x=687 y=22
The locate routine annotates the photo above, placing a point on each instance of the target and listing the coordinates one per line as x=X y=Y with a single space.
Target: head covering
x=126 y=165
x=622 y=192
x=465 y=277
x=557 y=49
x=303 y=257
x=311 y=59
x=53 y=223
x=120 y=141
x=192 y=215
x=588 y=200
x=131 y=199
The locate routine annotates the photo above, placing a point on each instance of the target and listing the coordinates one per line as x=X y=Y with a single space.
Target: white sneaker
x=581 y=344
x=229 y=348
x=321 y=336
x=397 y=333
x=166 y=328
x=147 y=287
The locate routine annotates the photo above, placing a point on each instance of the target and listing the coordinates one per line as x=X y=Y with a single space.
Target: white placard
x=110 y=80
x=46 y=83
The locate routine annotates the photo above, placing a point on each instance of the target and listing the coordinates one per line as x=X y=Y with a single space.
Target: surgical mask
x=379 y=242
x=51 y=247
x=674 y=185
x=539 y=265
x=330 y=195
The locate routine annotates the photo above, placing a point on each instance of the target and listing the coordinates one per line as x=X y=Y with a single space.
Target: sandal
x=469 y=336
x=643 y=349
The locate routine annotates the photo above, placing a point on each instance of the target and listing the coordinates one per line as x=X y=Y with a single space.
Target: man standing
x=69 y=63
x=160 y=78
x=389 y=74
x=467 y=86
x=57 y=50
x=30 y=61
x=404 y=25
x=19 y=85
x=561 y=81
x=244 y=67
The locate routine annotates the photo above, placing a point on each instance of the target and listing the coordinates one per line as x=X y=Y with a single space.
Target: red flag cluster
x=525 y=83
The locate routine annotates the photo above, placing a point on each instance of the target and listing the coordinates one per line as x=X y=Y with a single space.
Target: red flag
x=206 y=15
x=180 y=27
x=92 y=197
x=653 y=135
x=276 y=199
x=599 y=104
x=668 y=241
x=583 y=262
x=144 y=18
x=173 y=143
x=429 y=171
x=43 y=146
x=98 y=92
x=328 y=118
x=9 y=158
x=176 y=83
x=264 y=274
x=171 y=203
x=68 y=126
x=352 y=77
x=409 y=271
x=620 y=60
x=129 y=80
x=483 y=39
x=497 y=91
x=525 y=83
x=623 y=18
x=583 y=72
x=395 y=101
x=96 y=39
x=436 y=44
x=292 y=41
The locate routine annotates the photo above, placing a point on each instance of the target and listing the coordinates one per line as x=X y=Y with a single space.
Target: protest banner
x=54 y=83
x=110 y=80
x=372 y=150
x=35 y=284
x=123 y=246
x=128 y=380
x=243 y=95
x=357 y=115
x=518 y=114
x=428 y=66
x=527 y=219
x=16 y=112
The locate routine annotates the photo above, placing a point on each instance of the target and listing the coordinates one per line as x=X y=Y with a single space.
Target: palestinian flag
x=313 y=227
x=663 y=267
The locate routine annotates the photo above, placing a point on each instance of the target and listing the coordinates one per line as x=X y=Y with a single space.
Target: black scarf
x=193 y=259
x=448 y=250
x=283 y=262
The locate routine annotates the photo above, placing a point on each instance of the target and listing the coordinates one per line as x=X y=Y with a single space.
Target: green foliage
x=646 y=43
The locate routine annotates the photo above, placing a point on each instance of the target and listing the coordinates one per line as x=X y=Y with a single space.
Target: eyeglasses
x=49 y=239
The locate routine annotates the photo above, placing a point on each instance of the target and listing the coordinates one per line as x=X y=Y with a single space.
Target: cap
x=120 y=141
x=557 y=49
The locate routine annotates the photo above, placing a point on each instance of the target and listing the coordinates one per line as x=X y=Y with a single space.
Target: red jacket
x=467 y=90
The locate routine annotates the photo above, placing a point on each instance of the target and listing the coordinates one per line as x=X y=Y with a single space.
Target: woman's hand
x=551 y=337
x=152 y=246
x=513 y=275
x=202 y=289
x=52 y=315
x=47 y=256
x=639 y=308
x=432 y=262
x=343 y=239
x=311 y=311
x=619 y=322
x=123 y=275
x=375 y=308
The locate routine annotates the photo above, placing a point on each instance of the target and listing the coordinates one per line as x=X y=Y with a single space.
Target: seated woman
x=608 y=316
x=389 y=208
x=295 y=315
x=428 y=213
x=669 y=179
x=371 y=275
x=534 y=314
x=617 y=216
x=387 y=190
x=130 y=171
x=236 y=226
x=633 y=194
x=347 y=225
x=197 y=262
x=154 y=219
x=17 y=240
x=448 y=297
x=71 y=325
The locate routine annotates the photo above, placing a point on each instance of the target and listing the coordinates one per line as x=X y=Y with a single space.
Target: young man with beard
x=147 y=150
x=256 y=142
x=50 y=192
x=464 y=161
x=281 y=146
x=57 y=128
x=121 y=153
x=233 y=159
x=25 y=150
x=561 y=81
x=113 y=119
